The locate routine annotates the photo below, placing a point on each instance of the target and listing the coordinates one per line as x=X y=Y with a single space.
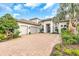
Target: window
x=61 y=25
x=65 y=26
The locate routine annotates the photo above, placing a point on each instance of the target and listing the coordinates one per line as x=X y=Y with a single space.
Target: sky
x=29 y=10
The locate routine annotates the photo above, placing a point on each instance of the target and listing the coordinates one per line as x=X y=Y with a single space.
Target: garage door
x=34 y=29
x=23 y=29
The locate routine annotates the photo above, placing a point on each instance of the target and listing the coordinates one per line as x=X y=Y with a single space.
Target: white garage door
x=34 y=29
x=23 y=29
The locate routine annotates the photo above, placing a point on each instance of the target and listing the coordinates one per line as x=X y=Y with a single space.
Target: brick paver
x=30 y=45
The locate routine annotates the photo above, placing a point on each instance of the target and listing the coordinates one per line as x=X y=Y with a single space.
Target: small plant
x=58 y=47
x=68 y=37
x=2 y=37
x=68 y=51
x=16 y=34
x=57 y=53
x=76 y=52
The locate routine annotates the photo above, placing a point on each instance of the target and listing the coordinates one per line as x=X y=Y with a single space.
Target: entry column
x=45 y=28
x=51 y=27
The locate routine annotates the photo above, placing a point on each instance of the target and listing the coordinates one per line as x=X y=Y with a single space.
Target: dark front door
x=48 y=28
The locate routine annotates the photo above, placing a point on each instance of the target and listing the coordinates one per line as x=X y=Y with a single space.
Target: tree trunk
x=72 y=27
x=9 y=34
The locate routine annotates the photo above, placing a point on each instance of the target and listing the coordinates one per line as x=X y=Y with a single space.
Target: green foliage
x=7 y=22
x=8 y=25
x=1 y=30
x=16 y=33
x=71 y=52
x=57 y=53
x=68 y=51
x=2 y=36
x=78 y=39
x=76 y=52
x=58 y=47
x=68 y=37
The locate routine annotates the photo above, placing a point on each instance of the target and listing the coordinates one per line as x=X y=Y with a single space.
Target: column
x=51 y=27
x=45 y=28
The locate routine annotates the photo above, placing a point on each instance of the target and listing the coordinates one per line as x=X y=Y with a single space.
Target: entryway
x=48 y=28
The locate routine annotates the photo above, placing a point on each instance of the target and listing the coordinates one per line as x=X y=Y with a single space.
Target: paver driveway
x=30 y=45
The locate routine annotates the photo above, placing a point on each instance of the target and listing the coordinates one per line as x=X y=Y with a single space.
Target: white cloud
x=33 y=5
x=8 y=9
x=48 y=5
x=16 y=14
x=5 y=8
x=53 y=13
x=18 y=7
x=48 y=17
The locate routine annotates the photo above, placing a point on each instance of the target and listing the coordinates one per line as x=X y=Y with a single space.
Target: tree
x=8 y=24
x=72 y=10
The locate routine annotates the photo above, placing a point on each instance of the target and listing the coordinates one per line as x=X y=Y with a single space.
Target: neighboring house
x=35 y=25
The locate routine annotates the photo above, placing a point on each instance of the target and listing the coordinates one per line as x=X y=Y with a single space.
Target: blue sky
x=29 y=10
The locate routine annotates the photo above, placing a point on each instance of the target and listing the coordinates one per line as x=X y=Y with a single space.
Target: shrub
x=2 y=37
x=78 y=39
x=16 y=33
x=68 y=51
x=1 y=30
x=57 y=53
x=65 y=34
x=71 y=41
x=68 y=37
x=58 y=47
x=76 y=52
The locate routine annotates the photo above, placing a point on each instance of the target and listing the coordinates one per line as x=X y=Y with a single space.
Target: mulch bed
x=76 y=46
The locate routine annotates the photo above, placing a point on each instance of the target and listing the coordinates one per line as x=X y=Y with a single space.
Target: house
x=35 y=25
x=27 y=27
x=49 y=26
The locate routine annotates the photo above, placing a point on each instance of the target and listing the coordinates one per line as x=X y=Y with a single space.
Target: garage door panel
x=23 y=29
x=34 y=29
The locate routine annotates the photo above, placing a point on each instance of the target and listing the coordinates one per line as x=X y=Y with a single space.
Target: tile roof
x=27 y=22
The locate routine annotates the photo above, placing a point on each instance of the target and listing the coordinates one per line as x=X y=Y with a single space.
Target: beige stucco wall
x=53 y=25
x=26 y=28
x=47 y=22
x=59 y=26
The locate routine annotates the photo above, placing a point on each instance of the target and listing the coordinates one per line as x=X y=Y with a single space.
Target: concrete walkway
x=30 y=45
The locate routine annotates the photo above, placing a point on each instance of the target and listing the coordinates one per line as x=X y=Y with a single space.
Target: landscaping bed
x=65 y=50
x=69 y=45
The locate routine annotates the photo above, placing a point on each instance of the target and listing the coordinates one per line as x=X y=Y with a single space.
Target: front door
x=48 y=28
